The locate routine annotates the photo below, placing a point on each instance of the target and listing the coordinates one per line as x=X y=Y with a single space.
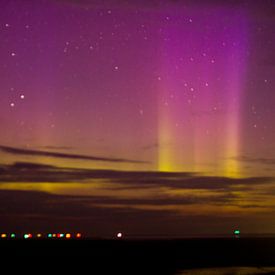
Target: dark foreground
x=136 y=256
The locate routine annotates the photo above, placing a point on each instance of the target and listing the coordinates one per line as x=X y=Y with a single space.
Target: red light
x=29 y=235
x=78 y=235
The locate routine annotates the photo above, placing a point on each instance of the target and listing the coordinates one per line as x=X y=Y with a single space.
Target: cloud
x=48 y=212
x=39 y=211
x=50 y=147
x=150 y=146
x=33 y=172
x=102 y=212
x=18 y=151
x=266 y=161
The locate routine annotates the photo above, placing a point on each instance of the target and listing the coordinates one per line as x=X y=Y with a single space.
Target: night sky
x=146 y=117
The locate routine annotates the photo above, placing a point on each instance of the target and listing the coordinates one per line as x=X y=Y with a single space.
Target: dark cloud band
x=18 y=151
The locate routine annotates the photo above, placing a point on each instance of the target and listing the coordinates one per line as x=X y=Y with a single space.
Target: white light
x=12 y=54
x=22 y=96
x=119 y=235
x=12 y=104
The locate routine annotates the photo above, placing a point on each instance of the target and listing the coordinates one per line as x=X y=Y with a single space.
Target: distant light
x=12 y=104
x=12 y=54
x=78 y=235
x=22 y=96
x=12 y=235
x=27 y=236
x=3 y=235
x=61 y=235
x=237 y=232
x=54 y=235
x=119 y=235
x=68 y=236
x=39 y=235
x=50 y=235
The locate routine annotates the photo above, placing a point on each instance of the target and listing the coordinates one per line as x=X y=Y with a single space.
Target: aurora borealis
x=147 y=117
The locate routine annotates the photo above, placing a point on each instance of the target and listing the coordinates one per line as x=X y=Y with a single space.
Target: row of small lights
x=39 y=235
x=49 y=236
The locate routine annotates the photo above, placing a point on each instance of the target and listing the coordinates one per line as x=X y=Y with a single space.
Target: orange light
x=39 y=235
x=68 y=236
x=78 y=235
x=54 y=235
x=3 y=235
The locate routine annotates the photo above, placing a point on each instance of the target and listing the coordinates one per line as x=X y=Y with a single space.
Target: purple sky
x=182 y=89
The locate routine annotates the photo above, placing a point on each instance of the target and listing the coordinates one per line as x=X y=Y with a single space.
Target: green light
x=237 y=232
x=12 y=235
x=50 y=235
x=26 y=236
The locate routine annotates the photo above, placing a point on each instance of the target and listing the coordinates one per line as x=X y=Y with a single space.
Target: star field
x=165 y=86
